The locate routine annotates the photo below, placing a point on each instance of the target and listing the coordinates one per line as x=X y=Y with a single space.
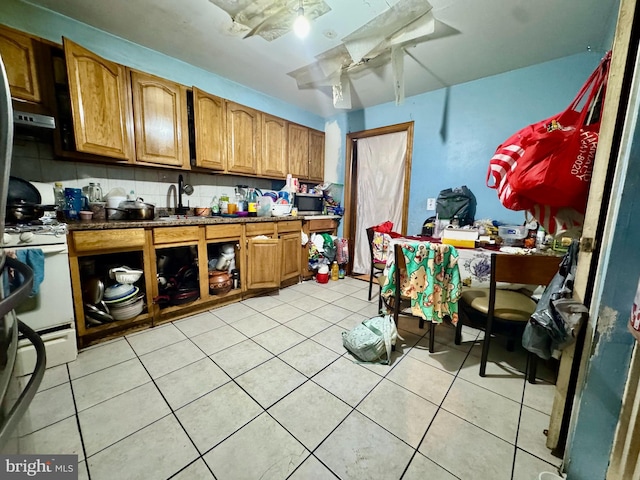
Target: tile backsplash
x=33 y=160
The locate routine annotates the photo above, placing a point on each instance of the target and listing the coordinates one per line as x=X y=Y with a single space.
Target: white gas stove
x=49 y=310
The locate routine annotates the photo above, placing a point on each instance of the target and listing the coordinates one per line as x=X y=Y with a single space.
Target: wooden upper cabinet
x=160 y=118
x=298 y=151
x=274 y=147
x=243 y=139
x=100 y=104
x=20 y=60
x=210 y=130
x=316 y=156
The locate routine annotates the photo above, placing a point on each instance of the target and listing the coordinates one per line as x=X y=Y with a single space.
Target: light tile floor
x=263 y=389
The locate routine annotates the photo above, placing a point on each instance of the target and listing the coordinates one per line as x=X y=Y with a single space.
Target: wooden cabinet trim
x=163 y=235
x=223 y=231
x=108 y=240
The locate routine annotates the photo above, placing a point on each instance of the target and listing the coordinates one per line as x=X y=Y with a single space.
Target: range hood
x=33 y=120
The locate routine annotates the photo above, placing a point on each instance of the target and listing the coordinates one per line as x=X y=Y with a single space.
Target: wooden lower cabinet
x=323 y=225
x=92 y=255
x=180 y=254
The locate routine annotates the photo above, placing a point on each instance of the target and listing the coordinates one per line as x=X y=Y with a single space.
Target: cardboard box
x=460 y=234
x=459 y=243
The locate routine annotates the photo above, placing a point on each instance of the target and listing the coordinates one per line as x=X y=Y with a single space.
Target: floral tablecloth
x=431 y=279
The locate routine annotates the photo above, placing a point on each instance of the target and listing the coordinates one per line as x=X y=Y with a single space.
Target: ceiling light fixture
x=301 y=26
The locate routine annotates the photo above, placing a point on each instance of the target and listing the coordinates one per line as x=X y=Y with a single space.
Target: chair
x=376 y=267
x=404 y=305
x=506 y=311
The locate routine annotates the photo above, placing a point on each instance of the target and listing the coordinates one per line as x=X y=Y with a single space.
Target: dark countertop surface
x=174 y=220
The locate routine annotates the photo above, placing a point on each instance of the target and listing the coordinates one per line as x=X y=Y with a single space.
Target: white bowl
x=128 y=311
x=119 y=292
x=125 y=274
x=281 y=209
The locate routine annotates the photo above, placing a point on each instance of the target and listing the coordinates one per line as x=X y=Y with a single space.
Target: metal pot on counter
x=135 y=210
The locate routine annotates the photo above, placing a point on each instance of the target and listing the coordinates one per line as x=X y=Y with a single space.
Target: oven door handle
x=53 y=249
x=24 y=400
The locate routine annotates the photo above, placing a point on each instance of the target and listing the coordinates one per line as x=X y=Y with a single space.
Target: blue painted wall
x=457 y=129
x=53 y=27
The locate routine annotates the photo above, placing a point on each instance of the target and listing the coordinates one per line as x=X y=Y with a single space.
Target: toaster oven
x=308 y=204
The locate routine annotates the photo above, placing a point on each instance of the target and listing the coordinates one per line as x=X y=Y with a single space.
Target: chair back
x=526 y=269
x=370 y=238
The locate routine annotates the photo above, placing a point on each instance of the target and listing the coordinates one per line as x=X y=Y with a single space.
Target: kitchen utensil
x=113 y=202
x=202 y=211
x=22 y=191
x=113 y=302
x=74 y=202
x=135 y=210
x=281 y=209
x=129 y=310
x=125 y=274
x=220 y=282
x=119 y=291
x=97 y=314
x=94 y=192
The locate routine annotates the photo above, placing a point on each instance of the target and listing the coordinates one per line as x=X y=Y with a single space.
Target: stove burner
x=27 y=224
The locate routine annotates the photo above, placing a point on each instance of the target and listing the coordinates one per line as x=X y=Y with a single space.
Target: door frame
x=351 y=181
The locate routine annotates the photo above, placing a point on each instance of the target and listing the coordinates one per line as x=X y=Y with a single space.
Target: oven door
x=13 y=402
x=52 y=307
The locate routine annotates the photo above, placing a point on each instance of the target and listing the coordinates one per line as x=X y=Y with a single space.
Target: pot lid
x=134 y=204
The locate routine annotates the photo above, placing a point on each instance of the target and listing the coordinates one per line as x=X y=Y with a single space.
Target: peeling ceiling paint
x=269 y=19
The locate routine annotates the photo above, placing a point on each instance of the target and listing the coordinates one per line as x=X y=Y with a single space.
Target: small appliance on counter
x=308 y=203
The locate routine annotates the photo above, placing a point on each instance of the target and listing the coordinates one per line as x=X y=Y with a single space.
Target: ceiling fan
x=381 y=41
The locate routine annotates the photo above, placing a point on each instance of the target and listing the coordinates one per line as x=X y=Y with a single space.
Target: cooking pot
x=220 y=282
x=136 y=210
x=24 y=212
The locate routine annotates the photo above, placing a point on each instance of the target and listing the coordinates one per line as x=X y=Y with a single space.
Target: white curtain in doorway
x=380 y=187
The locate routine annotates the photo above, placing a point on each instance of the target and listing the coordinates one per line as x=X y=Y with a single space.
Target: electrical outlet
x=431 y=203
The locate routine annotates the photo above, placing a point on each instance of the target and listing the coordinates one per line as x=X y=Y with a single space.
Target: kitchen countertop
x=173 y=220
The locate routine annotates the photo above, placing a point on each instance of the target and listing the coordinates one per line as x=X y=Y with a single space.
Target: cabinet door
x=274 y=147
x=19 y=56
x=298 y=148
x=263 y=263
x=243 y=139
x=100 y=104
x=160 y=118
x=316 y=156
x=210 y=123
x=291 y=260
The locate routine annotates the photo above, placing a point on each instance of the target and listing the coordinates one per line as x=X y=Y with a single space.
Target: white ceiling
x=474 y=39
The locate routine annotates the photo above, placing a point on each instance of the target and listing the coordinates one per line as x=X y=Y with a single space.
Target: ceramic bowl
x=127 y=311
x=119 y=292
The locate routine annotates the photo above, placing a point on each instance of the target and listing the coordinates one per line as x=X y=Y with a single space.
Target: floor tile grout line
x=439 y=407
x=515 y=449
x=77 y=418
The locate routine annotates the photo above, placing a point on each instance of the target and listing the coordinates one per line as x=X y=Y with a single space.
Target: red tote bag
x=549 y=163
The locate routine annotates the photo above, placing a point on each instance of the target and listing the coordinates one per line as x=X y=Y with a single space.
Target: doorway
x=377 y=179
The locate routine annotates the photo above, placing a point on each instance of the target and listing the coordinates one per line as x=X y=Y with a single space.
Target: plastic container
x=335 y=271
x=513 y=235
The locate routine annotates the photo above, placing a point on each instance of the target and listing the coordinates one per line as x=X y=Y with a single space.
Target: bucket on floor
x=549 y=476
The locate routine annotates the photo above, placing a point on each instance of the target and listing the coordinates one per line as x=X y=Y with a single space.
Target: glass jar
x=95 y=192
